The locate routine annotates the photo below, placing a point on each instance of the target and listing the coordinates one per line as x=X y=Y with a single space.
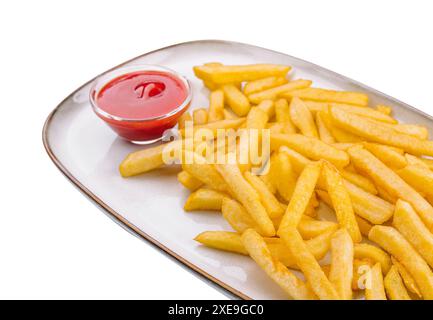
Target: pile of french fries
x=329 y=148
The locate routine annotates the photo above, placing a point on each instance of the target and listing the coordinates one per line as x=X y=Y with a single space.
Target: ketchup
x=141 y=105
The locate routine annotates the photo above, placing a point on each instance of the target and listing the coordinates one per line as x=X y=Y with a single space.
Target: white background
x=54 y=243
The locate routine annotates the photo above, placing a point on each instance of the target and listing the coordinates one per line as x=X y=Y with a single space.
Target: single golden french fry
x=310 y=147
x=270 y=202
x=414 y=130
x=188 y=181
x=267 y=106
x=324 y=133
x=283 y=175
x=247 y=196
x=325 y=95
x=220 y=74
x=376 y=289
x=408 y=223
x=385 y=195
x=236 y=215
x=391 y=182
x=259 y=252
x=359 y=180
x=229 y=114
x=364 y=251
x=393 y=242
x=305 y=260
x=312 y=228
x=222 y=240
x=257 y=118
x=282 y=115
x=364 y=226
x=186 y=116
x=216 y=106
x=381 y=133
x=408 y=280
x=341 y=272
x=273 y=93
x=204 y=199
x=394 y=286
x=263 y=84
x=237 y=101
x=302 y=118
x=384 y=109
x=388 y=155
x=419 y=177
x=414 y=160
x=341 y=201
x=301 y=196
x=200 y=116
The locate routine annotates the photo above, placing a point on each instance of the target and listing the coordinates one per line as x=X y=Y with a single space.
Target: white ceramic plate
x=150 y=206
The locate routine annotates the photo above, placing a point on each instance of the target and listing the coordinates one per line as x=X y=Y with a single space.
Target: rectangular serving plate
x=150 y=206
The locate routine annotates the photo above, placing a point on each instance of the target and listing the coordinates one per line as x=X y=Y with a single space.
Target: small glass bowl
x=145 y=130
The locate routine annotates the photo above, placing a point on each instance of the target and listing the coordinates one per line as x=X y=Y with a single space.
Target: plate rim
x=123 y=222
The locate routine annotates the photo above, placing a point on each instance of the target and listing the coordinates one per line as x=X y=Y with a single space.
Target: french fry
x=236 y=215
x=200 y=116
x=388 y=155
x=259 y=252
x=221 y=74
x=222 y=240
x=416 y=131
x=302 y=193
x=341 y=272
x=237 y=101
x=247 y=196
x=302 y=118
x=324 y=133
x=229 y=114
x=315 y=276
x=273 y=93
x=385 y=195
x=257 y=118
x=364 y=226
x=391 y=182
x=408 y=280
x=297 y=160
x=393 y=242
x=359 y=180
x=394 y=286
x=267 y=106
x=263 y=84
x=188 y=181
x=310 y=147
x=376 y=289
x=341 y=201
x=380 y=133
x=283 y=175
x=280 y=127
x=205 y=172
x=312 y=228
x=270 y=202
x=419 y=177
x=318 y=94
x=204 y=199
x=216 y=106
x=365 y=251
x=408 y=223
x=186 y=116
x=413 y=160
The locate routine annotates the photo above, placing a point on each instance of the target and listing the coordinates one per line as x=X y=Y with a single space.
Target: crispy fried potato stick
x=394 y=286
x=376 y=290
x=408 y=223
x=390 y=156
x=310 y=147
x=216 y=106
x=359 y=180
x=283 y=176
x=419 y=177
x=222 y=240
x=315 y=276
x=236 y=215
x=257 y=118
x=236 y=100
x=204 y=199
x=325 y=95
x=263 y=84
x=282 y=114
x=376 y=132
x=341 y=201
x=188 y=181
x=324 y=132
x=304 y=189
x=247 y=196
x=302 y=118
x=365 y=251
x=268 y=106
x=200 y=116
x=408 y=280
x=220 y=74
x=273 y=93
x=364 y=226
x=341 y=272
x=393 y=242
x=391 y=182
x=259 y=252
